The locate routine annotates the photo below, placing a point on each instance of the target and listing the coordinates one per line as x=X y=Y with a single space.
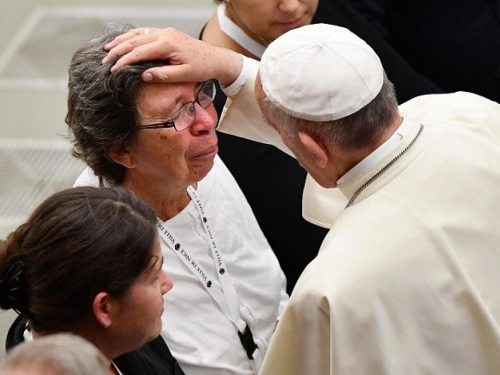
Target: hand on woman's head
x=190 y=60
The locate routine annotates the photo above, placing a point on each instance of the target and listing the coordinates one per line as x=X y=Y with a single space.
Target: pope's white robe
x=407 y=281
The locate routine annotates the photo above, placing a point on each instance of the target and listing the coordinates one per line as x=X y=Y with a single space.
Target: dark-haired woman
x=88 y=261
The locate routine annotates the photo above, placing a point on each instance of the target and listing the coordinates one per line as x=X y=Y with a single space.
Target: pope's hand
x=189 y=59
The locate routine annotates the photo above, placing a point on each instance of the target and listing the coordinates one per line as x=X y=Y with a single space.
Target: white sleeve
x=234 y=88
x=242 y=116
x=87 y=178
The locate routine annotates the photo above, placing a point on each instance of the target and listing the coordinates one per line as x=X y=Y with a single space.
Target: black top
x=154 y=358
x=407 y=81
x=454 y=43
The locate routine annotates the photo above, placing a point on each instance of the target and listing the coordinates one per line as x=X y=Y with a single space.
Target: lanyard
x=227 y=298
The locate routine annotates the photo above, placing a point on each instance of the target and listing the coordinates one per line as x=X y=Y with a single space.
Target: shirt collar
x=384 y=149
x=237 y=34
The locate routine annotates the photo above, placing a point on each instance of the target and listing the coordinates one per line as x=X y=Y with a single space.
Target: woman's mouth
x=292 y=24
x=208 y=153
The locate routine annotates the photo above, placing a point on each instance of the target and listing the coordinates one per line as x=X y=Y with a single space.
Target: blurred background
x=36 y=44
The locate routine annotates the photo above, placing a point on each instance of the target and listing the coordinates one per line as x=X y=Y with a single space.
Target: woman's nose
x=288 y=6
x=205 y=120
x=166 y=282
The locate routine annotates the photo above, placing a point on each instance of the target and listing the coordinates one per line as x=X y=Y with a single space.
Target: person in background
x=57 y=354
x=249 y=26
x=271 y=180
x=405 y=281
x=159 y=142
x=88 y=262
x=453 y=43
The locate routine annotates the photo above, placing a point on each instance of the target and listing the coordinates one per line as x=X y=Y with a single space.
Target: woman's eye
x=190 y=110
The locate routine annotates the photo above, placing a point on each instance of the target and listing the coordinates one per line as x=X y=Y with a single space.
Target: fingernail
x=146 y=77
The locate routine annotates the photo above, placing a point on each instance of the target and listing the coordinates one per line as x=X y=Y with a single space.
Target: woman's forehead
x=156 y=260
x=155 y=98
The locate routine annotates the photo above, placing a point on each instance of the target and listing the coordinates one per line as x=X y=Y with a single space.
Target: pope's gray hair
x=352 y=132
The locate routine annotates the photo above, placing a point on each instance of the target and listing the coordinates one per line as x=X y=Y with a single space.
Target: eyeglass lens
x=185 y=116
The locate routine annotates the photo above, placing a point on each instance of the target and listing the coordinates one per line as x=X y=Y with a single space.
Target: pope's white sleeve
x=242 y=116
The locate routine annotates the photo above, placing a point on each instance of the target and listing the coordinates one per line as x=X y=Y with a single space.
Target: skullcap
x=320 y=72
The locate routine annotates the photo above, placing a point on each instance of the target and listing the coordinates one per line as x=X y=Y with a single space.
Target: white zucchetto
x=320 y=72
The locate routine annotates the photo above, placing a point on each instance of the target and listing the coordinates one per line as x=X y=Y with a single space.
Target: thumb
x=170 y=74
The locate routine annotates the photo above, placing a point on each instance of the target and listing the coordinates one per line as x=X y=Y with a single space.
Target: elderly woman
x=159 y=141
x=88 y=261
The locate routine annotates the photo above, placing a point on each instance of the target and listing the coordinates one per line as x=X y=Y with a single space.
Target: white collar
x=237 y=34
x=384 y=149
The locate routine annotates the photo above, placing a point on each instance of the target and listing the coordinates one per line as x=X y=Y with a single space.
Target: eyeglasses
x=184 y=117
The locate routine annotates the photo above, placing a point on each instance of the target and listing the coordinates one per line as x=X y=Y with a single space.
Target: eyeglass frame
x=171 y=123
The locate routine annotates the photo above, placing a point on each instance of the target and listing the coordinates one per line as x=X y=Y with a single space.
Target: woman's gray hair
x=102 y=111
x=355 y=131
x=57 y=354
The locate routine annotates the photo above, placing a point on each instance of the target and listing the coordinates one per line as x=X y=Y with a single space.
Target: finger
x=122 y=38
x=125 y=43
x=121 y=49
x=129 y=47
x=144 y=52
x=172 y=73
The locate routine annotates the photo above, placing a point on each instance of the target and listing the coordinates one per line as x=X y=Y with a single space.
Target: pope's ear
x=316 y=148
x=123 y=156
x=102 y=308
